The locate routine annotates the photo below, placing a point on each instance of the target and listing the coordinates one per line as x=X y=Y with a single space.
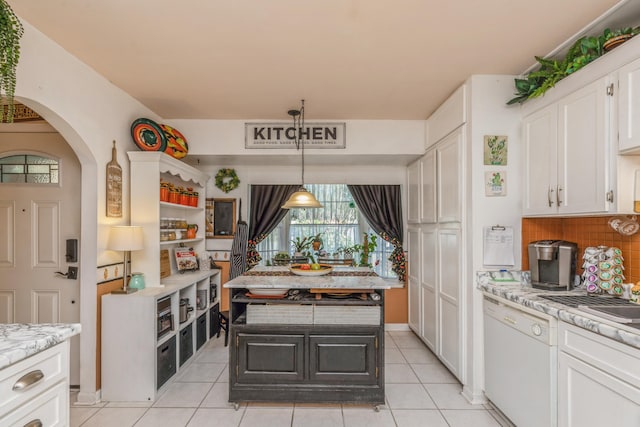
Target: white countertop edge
x=21 y=340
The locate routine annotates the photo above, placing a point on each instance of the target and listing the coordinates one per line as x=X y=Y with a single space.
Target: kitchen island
x=315 y=338
x=34 y=373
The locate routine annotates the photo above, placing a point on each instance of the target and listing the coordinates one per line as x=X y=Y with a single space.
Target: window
x=339 y=222
x=28 y=168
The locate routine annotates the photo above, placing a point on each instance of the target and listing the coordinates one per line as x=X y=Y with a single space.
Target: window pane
x=38 y=178
x=38 y=169
x=338 y=222
x=39 y=160
x=15 y=160
x=12 y=178
x=12 y=169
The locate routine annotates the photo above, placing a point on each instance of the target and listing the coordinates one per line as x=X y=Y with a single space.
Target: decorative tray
x=324 y=269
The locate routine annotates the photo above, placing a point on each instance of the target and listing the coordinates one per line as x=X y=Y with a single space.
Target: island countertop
x=21 y=340
x=277 y=278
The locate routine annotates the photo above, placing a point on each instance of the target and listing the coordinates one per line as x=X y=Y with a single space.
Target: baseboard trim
x=473 y=398
x=87 y=398
x=396 y=327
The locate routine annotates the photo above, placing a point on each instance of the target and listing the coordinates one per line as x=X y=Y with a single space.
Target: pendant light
x=301 y=198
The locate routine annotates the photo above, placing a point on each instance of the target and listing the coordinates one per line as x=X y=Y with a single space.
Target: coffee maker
x=553 y=264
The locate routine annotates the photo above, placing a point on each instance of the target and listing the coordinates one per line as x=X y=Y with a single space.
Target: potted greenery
x=281 y=258
x=316 y=242
x=11 y=31
x=300 y=245
x=582 y=52
x=364 y=250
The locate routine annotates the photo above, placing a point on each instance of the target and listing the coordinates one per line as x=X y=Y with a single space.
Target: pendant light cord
x=301 y=131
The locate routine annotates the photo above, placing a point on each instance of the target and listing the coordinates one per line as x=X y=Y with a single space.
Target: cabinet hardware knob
x=34 y=423
x=549 y=193
x=610 y=196
x=28 y=380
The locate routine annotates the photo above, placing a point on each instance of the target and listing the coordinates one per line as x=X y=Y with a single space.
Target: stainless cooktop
x=591 y=300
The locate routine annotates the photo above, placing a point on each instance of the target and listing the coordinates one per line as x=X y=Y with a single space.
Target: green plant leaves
x=11 y=31
x=551 y=71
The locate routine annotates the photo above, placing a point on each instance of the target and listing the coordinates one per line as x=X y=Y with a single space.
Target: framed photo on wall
x=224 y=218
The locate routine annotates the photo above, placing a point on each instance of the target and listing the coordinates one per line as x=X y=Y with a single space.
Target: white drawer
x=52 y=365
x=346 y=315
x=51 y=408
x=611 y=356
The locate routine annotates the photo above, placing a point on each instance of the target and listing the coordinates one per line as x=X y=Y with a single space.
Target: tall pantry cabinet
x=448 y=210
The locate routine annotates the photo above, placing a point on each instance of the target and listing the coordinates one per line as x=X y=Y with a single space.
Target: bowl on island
x=298 y=270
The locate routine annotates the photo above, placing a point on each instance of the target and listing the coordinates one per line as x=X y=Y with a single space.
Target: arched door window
x=29 y=168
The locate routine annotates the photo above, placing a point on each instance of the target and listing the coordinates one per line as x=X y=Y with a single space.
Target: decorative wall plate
x=148 y=135
x=176 y=142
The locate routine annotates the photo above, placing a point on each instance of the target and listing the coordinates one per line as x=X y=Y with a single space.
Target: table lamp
x=126 y=238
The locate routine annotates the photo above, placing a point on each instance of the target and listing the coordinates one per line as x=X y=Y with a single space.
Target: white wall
x=89 y=112
x=489 y=115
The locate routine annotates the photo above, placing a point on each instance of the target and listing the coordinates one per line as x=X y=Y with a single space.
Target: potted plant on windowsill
x=11 y=31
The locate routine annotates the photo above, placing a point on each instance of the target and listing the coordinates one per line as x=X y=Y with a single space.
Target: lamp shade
x=126 y=238
x=301 y=199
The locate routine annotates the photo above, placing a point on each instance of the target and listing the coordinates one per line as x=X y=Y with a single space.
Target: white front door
x=35 y=222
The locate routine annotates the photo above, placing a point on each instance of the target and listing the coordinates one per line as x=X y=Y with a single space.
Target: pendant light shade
x=302 y=198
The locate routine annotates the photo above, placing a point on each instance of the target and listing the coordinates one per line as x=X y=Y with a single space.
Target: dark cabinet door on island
x=270 y=358
x=340 y=359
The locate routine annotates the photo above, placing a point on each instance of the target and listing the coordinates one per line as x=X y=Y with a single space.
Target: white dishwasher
x=520 y=359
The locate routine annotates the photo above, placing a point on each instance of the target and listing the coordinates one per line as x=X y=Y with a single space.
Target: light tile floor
x=420 y=392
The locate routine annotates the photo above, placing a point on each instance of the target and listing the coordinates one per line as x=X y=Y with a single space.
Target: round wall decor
x=176 y=142
x=148 y=135
x=227 y=180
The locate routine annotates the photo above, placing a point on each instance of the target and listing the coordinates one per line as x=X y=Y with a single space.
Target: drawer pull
x=28 y=380
x=34 y=423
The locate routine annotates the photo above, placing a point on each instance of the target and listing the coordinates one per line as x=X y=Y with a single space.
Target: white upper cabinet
x=449 y=116
x=629 y=107
x=449 y=166
x=413 y=192
x=429 y=170
x=567 y=154
x=583 y=145
x=540 y=150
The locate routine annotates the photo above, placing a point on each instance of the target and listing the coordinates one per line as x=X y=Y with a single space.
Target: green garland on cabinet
x=11 y=31
x=581 y=53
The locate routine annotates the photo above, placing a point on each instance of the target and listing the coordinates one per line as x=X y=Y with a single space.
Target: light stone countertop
x=530 y=297
x=21 y=340
x=307 y=282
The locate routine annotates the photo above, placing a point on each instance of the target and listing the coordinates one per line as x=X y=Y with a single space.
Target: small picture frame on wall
x=224 y=218
x=495 y=183
x=495 y=150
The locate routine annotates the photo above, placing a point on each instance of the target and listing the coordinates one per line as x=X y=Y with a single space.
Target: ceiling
x=349 y=59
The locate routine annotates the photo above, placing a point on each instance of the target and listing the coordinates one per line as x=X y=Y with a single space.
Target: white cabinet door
x=449 y=181
x=413 y=192
x=588 y=396
x=428 y=286
x=413 y=237
x=629 y=106
x=582 y=149
x=428 y=184
x=540 y=161
x=448 y=297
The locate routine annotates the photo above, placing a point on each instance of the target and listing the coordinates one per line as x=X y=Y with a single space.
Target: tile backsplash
x=585 y=231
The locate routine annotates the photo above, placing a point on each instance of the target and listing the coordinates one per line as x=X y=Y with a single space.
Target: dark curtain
x=265 y=213
x=381 y=205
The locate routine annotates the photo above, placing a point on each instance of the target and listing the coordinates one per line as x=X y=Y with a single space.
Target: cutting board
x=165 y=264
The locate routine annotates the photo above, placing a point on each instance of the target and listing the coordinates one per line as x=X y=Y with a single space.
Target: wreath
x=227 y=180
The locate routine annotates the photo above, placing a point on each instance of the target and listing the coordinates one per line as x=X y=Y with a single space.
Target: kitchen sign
x=282 y=135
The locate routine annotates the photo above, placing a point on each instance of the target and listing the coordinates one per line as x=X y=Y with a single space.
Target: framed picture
x=495 y=150
x=224 y=218
x=208 y=218
x=495 y=183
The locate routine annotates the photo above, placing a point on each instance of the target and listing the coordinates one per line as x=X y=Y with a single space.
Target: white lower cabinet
x=448 y=298
x=44 y=401
x=413 y=279
x=429 y=330
x=598 y=380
